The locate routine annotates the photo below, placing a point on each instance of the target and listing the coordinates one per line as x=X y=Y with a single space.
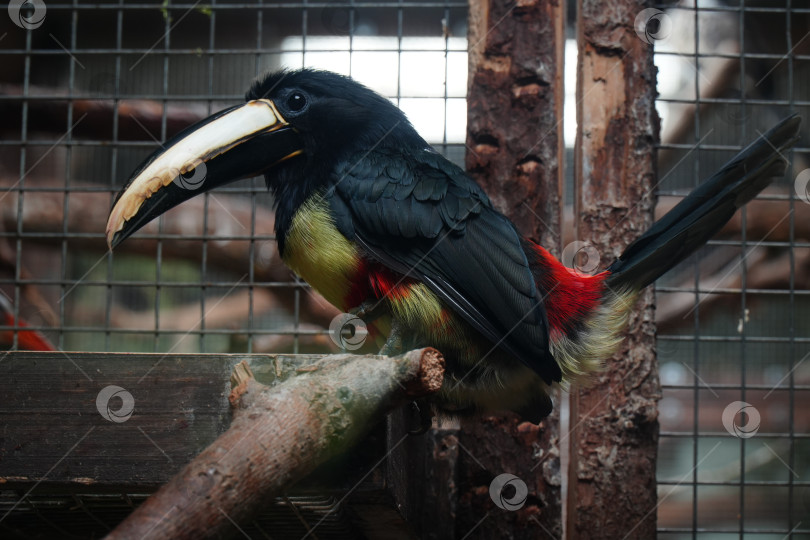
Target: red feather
x=375 y=281
x=571 y=295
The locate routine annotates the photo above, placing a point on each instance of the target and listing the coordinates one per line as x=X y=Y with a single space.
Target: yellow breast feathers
x=319 y=254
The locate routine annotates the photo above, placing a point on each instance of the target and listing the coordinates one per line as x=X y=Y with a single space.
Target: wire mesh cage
x=732 y=321
x=89 y=90
x=103 y=85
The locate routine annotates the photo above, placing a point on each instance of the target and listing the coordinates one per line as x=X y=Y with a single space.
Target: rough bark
x=277 y=436
x=612 y=489
x=515 y=151
x=515 y=146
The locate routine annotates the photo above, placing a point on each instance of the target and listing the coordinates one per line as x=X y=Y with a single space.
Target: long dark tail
x=705 y=210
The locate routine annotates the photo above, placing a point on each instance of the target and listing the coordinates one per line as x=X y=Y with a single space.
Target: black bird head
x=295 y=127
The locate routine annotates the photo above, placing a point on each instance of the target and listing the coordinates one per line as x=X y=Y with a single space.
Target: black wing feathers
x=420 y=215
x=702 y=213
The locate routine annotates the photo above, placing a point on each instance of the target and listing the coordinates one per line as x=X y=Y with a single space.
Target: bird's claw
x=369 y=310
x=395 y=343
x=425 y=418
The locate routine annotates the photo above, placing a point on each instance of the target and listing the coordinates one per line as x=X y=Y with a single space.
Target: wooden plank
x=515 y=149
x=53 y=434
x=422 y=474
x=611 y=489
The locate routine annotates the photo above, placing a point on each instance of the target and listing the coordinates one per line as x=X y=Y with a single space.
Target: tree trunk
x=612 y=490
x=515 y=150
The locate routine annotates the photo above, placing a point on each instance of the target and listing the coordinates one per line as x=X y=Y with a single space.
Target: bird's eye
x=296 y=102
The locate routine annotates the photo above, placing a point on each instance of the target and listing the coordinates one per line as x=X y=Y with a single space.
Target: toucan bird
x=383 y=226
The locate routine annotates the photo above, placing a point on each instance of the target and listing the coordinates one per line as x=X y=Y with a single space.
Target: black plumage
x=702 y=213
x=431 y=222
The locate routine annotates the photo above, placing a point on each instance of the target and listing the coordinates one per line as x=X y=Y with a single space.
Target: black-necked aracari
x=381 y=224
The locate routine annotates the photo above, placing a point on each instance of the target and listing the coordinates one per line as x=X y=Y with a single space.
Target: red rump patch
x=373 y=280
x=571 y=296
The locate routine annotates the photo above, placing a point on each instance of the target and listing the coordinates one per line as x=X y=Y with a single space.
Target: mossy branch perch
x=279 y=434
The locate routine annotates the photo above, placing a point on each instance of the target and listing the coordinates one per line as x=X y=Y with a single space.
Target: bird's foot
x=395 y=344
x=422 y=418
x=370 y=310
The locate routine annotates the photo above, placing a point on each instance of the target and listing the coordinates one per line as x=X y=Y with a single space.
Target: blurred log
x=716 y=76
x=29 y=291
x=764 y=272
x=230 y=217
x=229 y=312
x=614 y=436
x=228 y=237
x=278 y=435
x=767 y=219
x=137 y=118
x=285 y=340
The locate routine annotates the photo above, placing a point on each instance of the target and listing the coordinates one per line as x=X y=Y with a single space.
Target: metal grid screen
x=92 y=90
x=734 y=454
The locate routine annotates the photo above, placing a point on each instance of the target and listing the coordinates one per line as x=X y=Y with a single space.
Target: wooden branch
x=277 y=436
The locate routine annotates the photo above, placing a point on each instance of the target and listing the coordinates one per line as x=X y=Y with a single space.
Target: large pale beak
x=239 y=142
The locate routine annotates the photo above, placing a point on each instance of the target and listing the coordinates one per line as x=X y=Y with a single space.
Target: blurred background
x=89 y=90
